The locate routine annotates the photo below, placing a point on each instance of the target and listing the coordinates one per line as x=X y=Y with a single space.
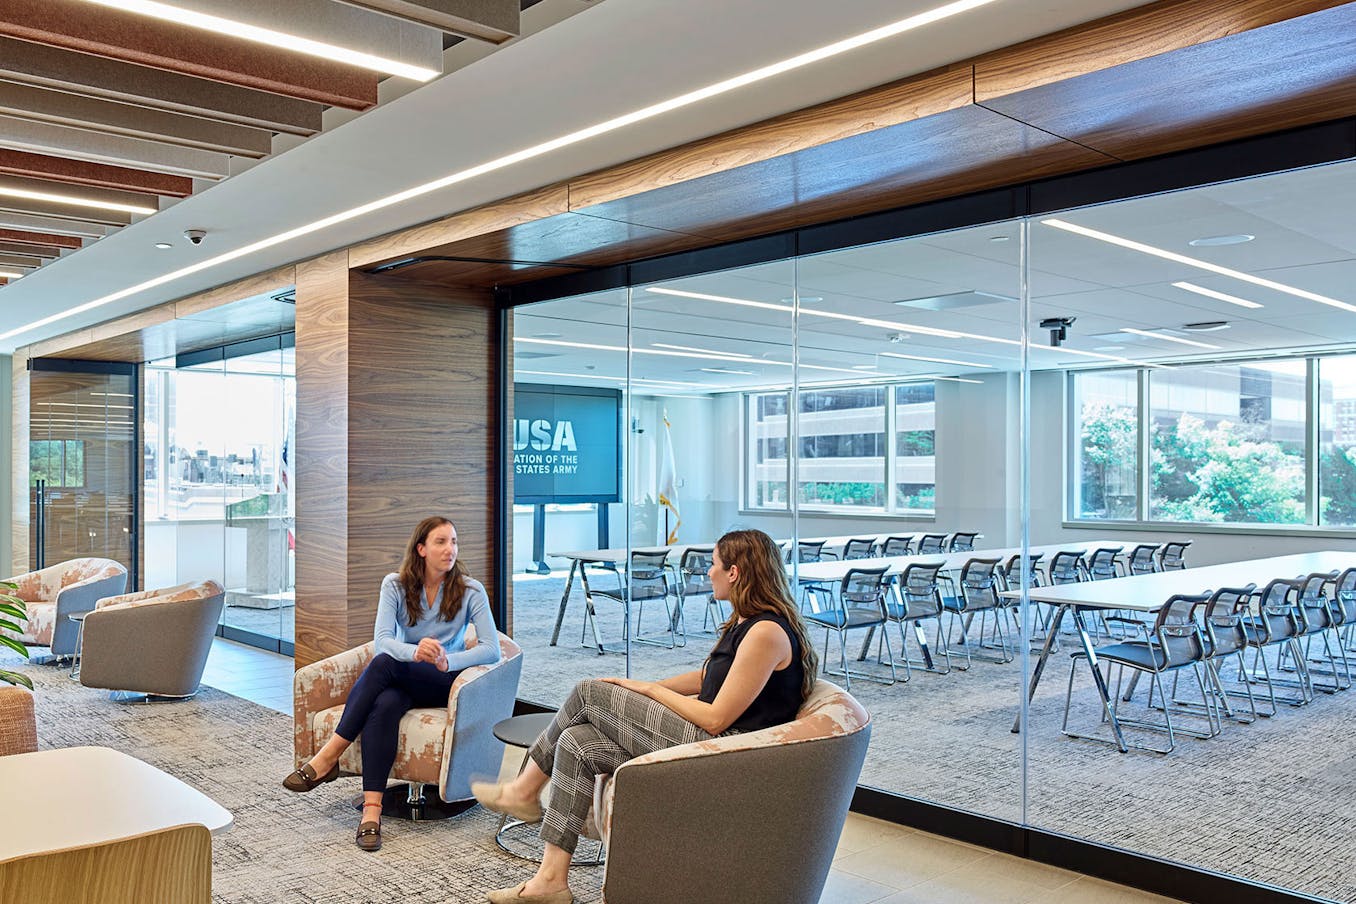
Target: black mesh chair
x=1011 y=573
x=859 y=548
x=1317 y=624
x=932 y=544
x=978 y=596
x=962 y=542
x=812 y=551
x=694 y=579
x=1142 y=559
x=1101 y=565
x=813 y=594
x=1173 y=556
x=1225 y=638
x=918 y=599
x=1343 y=603
x=1175 y=642
x=1277 y=624
x=897 y=546
x=648 y=576
x=860 y=603
x=1066 y=568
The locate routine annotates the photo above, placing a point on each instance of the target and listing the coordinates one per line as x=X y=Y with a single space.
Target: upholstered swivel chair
x=444 y=746
x=153 y=643
x=53 y=593
x=695 y=823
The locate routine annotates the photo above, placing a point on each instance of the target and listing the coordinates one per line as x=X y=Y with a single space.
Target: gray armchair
x=747 y=817
x=151 y=643
x=53 y=593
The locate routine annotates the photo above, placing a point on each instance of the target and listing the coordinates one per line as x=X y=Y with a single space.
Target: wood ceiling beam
x=30 y=222
x=41 y=239
x=22 y=261
x=46 y=252
x=51 y=67
x=495 y=21
x=131 y=38
x=114 y=150
x=63 y=108
x=97 y=175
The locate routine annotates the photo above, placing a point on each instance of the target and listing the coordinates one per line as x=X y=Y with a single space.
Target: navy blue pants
x=386 y=690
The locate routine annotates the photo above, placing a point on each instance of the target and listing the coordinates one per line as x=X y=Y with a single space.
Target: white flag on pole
x=668 y=481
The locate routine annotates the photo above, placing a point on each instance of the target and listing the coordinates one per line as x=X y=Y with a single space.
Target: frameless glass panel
x=916 y=448
x=568 y=484
x=1231 y=306
x=1106 y=445
x=196 y=491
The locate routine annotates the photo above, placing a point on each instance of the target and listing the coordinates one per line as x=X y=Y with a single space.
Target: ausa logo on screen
x=566 y=444
x=550 y=441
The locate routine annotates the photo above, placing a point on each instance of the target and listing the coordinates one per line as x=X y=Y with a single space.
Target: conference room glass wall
x=1179 y=370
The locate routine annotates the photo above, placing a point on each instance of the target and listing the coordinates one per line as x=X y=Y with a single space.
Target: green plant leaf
x=14 y=645
x=13 y=611
x=16 y=678
x=8 y=625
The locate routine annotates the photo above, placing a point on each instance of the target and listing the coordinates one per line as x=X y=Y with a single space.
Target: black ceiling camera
x=1059 y=329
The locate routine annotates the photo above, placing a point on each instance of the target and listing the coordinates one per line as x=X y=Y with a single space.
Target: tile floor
x=876 y=863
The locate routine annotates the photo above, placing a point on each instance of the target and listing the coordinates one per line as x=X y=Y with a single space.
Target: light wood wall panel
x=20 y=519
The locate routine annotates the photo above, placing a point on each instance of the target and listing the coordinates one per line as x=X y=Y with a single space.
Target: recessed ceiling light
x=1193 y=262
x=1150 y=334
x=1109 y=348
x=1214 y=241
x=1218 y=296
x=999 y=238
x=73 y=200
x=163 y=245
x=1207 y=326
x=863 y=367
x=279 y=39
x=569 y=139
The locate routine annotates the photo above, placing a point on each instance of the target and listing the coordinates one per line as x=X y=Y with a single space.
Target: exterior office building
x=830 y=293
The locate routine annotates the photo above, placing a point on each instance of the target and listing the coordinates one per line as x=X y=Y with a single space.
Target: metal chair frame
x=1277 y=624
x=647 y=572
x=919 y=598
x=978 y=595
x=858 y=606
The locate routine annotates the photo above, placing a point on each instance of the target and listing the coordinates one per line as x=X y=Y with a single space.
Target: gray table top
x=522 y=731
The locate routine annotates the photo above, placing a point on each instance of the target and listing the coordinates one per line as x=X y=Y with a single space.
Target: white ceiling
x=611 y=59
x=1305 y=239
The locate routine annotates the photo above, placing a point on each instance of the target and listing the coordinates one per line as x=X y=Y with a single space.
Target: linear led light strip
x=279 y=39
x=1218 y=296
x=537 y=150
x=73 y=201
x=1193 y=262
x=552 y=373
x=10 y=274
x=706 y=356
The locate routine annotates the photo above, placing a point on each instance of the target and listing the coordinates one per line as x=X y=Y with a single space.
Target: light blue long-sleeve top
x=399 y=640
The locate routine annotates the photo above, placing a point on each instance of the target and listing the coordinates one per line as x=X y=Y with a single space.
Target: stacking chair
x=860 y=604
x=1225 y=637
x=694 y=580
x=897 y=546
x=1101 y=565
x=931 y=544
x=978 y=596
x=1142 y=559
x=1173 y=556
x=1011 y=575
x=962 y=542
x=1175 y=642
x=1277 y=624
x=812 y=551
x=649 y=580
x=1317 y=622
x=814 y=595
x=1343 y=604
x=918 y=599
x=859 y=548
x=1066 y=568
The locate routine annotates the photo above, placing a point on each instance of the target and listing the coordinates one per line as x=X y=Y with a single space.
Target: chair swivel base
x=51 y=658
x=521 y=840
x=417 y=803
x=139 y=697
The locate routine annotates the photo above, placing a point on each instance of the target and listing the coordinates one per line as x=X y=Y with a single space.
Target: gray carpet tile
x=1270 y=801
x=284 y=848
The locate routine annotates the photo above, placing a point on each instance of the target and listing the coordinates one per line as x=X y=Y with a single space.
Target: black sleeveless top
x=779 y=700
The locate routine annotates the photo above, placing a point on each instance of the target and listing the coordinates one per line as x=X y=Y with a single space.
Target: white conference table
x=76 y=796
x=1148 y=593
x=826 y=572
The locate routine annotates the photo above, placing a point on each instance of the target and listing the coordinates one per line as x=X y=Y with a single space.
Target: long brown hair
x=412 y=575
x=763 y=587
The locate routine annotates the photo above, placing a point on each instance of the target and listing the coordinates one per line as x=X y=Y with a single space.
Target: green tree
x=1337 y=484
x=1108 y=460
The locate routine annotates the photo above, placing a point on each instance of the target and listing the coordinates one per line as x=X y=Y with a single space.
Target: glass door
x=83 y=460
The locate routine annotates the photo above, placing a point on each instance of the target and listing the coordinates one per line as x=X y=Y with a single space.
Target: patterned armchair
x=760 y=812
x=154 y=642
x=61 y=590
x=18 y=728
x=445 y=746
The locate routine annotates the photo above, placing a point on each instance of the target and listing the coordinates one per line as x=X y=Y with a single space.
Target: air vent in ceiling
x=954 y=301
x=532 y=356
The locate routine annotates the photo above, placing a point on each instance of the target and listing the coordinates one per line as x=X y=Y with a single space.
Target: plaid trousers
x=599 y=727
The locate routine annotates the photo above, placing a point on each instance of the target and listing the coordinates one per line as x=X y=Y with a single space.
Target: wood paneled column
x=396 y=420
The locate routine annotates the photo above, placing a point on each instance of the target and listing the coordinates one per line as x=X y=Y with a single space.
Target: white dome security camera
x=195 y=235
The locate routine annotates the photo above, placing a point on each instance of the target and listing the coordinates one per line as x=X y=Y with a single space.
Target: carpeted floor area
x=1270 y=801
x=284 y=848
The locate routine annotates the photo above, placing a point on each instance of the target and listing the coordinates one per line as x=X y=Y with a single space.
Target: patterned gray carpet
x=1271 y=801
x=284 y=848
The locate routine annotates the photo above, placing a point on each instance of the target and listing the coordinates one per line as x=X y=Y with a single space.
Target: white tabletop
x=834 y=571
x=618 y=556
x=1147 y=592
x=89 y=795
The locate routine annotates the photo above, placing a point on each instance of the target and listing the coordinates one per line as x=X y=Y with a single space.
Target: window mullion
x=889 y=449
x=1311 y=442
x=1142 y=472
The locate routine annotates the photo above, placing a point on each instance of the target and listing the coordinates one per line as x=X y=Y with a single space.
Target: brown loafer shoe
x=305 y=779
x=515 y=895
x=490 y=795
x=369 y=836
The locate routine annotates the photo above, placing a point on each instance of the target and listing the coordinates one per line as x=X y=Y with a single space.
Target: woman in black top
x=760 y=671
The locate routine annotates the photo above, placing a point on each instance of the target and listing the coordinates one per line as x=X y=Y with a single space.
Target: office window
x=60 y=462
x=842 y=447
x=767 y=432
x=1106 y=444
x=1337 y=441
x=915 y=448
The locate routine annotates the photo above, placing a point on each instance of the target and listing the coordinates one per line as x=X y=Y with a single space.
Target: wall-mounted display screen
x=566 y=444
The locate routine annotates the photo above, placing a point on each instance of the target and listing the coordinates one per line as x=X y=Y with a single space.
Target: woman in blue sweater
x=420 y=636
